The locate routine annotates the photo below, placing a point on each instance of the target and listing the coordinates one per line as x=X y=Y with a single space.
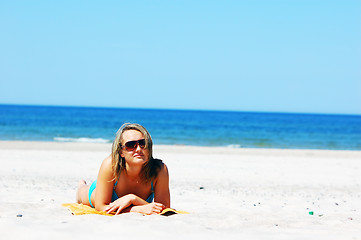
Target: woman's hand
x=150 y=208
x=120 y=204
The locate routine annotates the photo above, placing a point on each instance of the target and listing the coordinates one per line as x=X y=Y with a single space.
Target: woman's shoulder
x=106 y=171
x=162 y=177
x=107 y=164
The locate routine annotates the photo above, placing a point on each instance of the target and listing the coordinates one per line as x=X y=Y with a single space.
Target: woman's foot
x=81 y=185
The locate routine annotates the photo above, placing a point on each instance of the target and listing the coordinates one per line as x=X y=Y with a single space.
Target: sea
x=183 y=127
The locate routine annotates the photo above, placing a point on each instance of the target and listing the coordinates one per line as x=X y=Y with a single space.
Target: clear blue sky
x=276 y=56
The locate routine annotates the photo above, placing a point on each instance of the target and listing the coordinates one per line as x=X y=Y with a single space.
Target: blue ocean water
x=182 y=127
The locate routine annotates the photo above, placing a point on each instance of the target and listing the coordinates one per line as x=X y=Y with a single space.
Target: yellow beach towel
x=80 y=209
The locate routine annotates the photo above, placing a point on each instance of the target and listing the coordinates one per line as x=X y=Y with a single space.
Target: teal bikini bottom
x=114 y=195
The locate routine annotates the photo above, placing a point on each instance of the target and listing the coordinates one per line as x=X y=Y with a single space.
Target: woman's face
x=134 y=152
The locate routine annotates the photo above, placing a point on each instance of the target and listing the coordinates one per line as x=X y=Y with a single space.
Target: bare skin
x=130 y=189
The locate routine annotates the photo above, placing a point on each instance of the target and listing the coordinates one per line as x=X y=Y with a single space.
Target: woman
x=130 y=177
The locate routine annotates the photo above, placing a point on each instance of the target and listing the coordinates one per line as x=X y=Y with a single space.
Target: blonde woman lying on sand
x=130 y=178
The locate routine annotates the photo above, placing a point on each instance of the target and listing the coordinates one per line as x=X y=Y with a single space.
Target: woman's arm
x=130 y=202
x=149 y=208
x=105 y=185
x=161 y=197
x=161 y=188
x=124 y=202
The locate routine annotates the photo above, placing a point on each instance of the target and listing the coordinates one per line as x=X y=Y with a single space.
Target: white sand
x=247 y=193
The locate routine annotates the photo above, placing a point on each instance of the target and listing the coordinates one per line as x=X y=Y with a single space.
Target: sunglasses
x=132 y=145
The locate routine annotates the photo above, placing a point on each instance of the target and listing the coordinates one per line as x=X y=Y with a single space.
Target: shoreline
x=90 y=146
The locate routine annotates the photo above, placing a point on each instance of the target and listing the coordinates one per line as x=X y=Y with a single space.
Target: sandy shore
x=232 y=193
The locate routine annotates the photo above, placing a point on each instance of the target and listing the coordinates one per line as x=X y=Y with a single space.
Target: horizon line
x=179 y=109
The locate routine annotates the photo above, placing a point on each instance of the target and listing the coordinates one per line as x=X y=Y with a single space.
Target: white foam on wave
x=82 y=139
x=234 y=146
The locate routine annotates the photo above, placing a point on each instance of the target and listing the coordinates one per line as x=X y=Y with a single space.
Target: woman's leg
x=82 y=193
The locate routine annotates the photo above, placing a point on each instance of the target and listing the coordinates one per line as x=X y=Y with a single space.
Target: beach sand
x=230 y=193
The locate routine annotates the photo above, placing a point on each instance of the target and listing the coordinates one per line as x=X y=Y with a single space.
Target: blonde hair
x=150 y=168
